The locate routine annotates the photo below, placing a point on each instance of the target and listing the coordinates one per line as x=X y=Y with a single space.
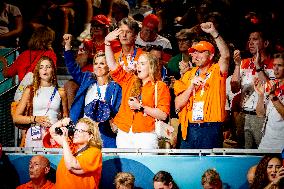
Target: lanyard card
x=197 y=111
x=36 y=132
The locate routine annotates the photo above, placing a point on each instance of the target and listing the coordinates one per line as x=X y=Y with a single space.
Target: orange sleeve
x=90 y=160
x=179 y=87
x=120 y=75
x=164 y=97
x=182 y=84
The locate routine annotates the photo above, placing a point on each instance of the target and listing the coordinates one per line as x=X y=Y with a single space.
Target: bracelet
x=274 y=98
x=216 y=36
x=107 y=43
x=141 y=109
x=34 y=119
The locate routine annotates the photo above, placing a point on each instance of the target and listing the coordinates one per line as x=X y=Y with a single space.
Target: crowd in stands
x=211 y=71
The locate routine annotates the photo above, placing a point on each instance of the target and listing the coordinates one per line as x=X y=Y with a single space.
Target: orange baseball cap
x=202 y=46
x=151 y=21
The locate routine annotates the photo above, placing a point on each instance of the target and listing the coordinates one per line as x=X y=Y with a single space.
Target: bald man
x=250 y=174
x=39 y=168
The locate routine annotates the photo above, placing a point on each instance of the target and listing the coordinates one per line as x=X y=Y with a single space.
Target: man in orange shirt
x=201 y=94
x=39 y=168
x=129 y=54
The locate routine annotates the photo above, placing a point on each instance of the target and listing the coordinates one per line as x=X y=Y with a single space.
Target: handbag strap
x=156 y=94
x=80 y=151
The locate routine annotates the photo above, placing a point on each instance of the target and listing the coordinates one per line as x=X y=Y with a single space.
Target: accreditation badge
x=197 y=111
x=36 y=132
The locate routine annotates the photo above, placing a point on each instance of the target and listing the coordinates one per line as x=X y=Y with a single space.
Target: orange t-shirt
x=29 y=185
x=121 y=58
x=127 y=118
x=214 y=97
x=90 y=161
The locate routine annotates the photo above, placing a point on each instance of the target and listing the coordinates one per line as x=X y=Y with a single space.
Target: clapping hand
x=183 y=66
x=237 y=57
x=259 y=86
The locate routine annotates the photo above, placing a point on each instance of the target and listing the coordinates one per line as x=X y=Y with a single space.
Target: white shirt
x=160 y=40
x=93 y=94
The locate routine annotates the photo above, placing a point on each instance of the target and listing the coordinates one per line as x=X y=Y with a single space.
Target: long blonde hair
x=93 y=129
x=36 y=78
x=154 y=72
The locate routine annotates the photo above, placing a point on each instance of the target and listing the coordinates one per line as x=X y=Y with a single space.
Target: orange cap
x=202 y=46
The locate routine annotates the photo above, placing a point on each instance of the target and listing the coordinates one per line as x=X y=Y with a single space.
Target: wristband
x=216 y=36
x=34 y=119
x=141 y=109
x=274 y=98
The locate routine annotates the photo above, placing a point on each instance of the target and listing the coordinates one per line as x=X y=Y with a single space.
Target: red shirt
x=27 y=61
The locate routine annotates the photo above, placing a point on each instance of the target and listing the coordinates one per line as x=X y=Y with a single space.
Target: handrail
x=138 y=151
x=11 y=52
x=8 y=54
x=11 y=88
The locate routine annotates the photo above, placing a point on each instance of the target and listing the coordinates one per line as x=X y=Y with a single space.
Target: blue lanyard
x=99 y=92
x=132 y=56
x=50 y=100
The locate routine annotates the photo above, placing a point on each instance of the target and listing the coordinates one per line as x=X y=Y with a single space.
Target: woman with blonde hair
x=124 y=180
x=81 y=163
x=44 y=101
x=97 y=97
x=136 y=116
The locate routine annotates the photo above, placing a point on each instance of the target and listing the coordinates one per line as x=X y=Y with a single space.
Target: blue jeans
x=108 y=137
x=203 y=136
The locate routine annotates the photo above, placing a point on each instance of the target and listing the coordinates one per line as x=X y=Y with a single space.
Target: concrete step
x=62 y=79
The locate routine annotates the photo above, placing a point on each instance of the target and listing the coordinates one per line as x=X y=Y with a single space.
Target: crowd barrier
x=186 y=166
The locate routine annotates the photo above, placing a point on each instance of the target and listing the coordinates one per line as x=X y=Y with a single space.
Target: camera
x=70 y=127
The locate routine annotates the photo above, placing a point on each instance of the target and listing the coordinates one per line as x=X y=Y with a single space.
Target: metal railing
x=8 y=87
x=139 y=151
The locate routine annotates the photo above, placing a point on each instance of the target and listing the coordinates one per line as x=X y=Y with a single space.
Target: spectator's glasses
x=81 y=131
